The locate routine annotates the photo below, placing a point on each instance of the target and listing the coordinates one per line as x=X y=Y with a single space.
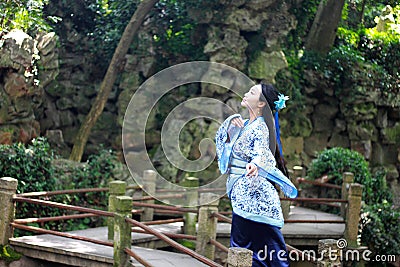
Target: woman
x=247 y=154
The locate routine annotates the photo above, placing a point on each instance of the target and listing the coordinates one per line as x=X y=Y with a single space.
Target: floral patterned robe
x=253 y=198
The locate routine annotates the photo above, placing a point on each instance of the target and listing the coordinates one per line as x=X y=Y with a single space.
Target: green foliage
x=381 y=48
x=110 y=19
x=376 y=56
x=96 y=173
x=26 y=15
x=333 y=162
x=176 y=35
x=374 y=9
x=362 y=58
x=170 y=28
x=290 y=82
x=187 y=243
x=32 y=165
x=380 y=228
x=9 y=255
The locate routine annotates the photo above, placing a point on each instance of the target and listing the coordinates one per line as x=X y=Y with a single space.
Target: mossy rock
x=9 y=255
x=392 y=134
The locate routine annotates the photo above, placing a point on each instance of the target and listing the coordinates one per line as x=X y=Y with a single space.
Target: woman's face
x=251 y=99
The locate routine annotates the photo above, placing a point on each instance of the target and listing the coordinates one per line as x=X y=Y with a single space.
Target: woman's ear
x=261 y=104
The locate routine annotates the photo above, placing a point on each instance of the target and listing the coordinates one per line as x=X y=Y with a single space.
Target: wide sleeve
x=222 y=134
x=260 y=154
x=225 y=130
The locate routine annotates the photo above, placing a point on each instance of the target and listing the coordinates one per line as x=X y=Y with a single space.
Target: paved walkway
x=308 y=234
x=81 y=253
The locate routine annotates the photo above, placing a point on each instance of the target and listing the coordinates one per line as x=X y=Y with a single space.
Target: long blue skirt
x=266 y=241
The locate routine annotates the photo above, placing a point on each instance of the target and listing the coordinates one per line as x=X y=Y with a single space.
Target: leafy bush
x=380 y=227
x=26 y=15
x=381 y=50
x=30 y=165
x=96 y=173
x=172 y=32
x=33 y=166
x=333 y=162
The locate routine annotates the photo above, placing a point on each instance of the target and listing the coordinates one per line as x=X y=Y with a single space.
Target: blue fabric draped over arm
x=224 y=149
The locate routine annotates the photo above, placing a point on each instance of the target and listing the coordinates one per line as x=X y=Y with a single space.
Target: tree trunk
x=323 y=30
x=136 y=21
x=364 y=3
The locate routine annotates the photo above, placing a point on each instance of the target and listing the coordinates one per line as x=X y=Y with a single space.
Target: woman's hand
x=252 y=169
x=237 y=122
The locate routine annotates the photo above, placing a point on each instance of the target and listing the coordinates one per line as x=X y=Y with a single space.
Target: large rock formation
x=21 y=86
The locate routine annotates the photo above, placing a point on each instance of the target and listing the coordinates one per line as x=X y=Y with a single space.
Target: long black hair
x=269 y=94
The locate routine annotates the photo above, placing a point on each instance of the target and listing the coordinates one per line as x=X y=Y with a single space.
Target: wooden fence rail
x=206 y=216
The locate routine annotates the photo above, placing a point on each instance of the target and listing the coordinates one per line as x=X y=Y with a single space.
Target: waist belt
x=238 y=166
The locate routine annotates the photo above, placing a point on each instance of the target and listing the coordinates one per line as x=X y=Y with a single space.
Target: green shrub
x=333 y=162
x=96 y=173
x=32 y=165
x=380 y=226
x=25 y=15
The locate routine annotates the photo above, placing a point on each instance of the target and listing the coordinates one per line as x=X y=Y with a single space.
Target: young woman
x=246 y=152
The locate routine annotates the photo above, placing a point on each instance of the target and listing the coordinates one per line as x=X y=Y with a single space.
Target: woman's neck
x=252 y=116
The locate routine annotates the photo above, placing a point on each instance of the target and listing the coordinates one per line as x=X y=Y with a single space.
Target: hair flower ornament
x=280 y=103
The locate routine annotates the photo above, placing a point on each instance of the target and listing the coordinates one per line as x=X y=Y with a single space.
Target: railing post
x=353 y=214
x=191 y=194
x=116 y=188
x=285 y=205
x=240 y=257
x=347 y=179
x=149 y=188
x=329 y=253
x=207 y=226
x=297 y=173
x=8 y=188
x=122 y=230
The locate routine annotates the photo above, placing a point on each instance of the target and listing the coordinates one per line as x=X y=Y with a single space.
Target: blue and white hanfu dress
x=257 y=214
